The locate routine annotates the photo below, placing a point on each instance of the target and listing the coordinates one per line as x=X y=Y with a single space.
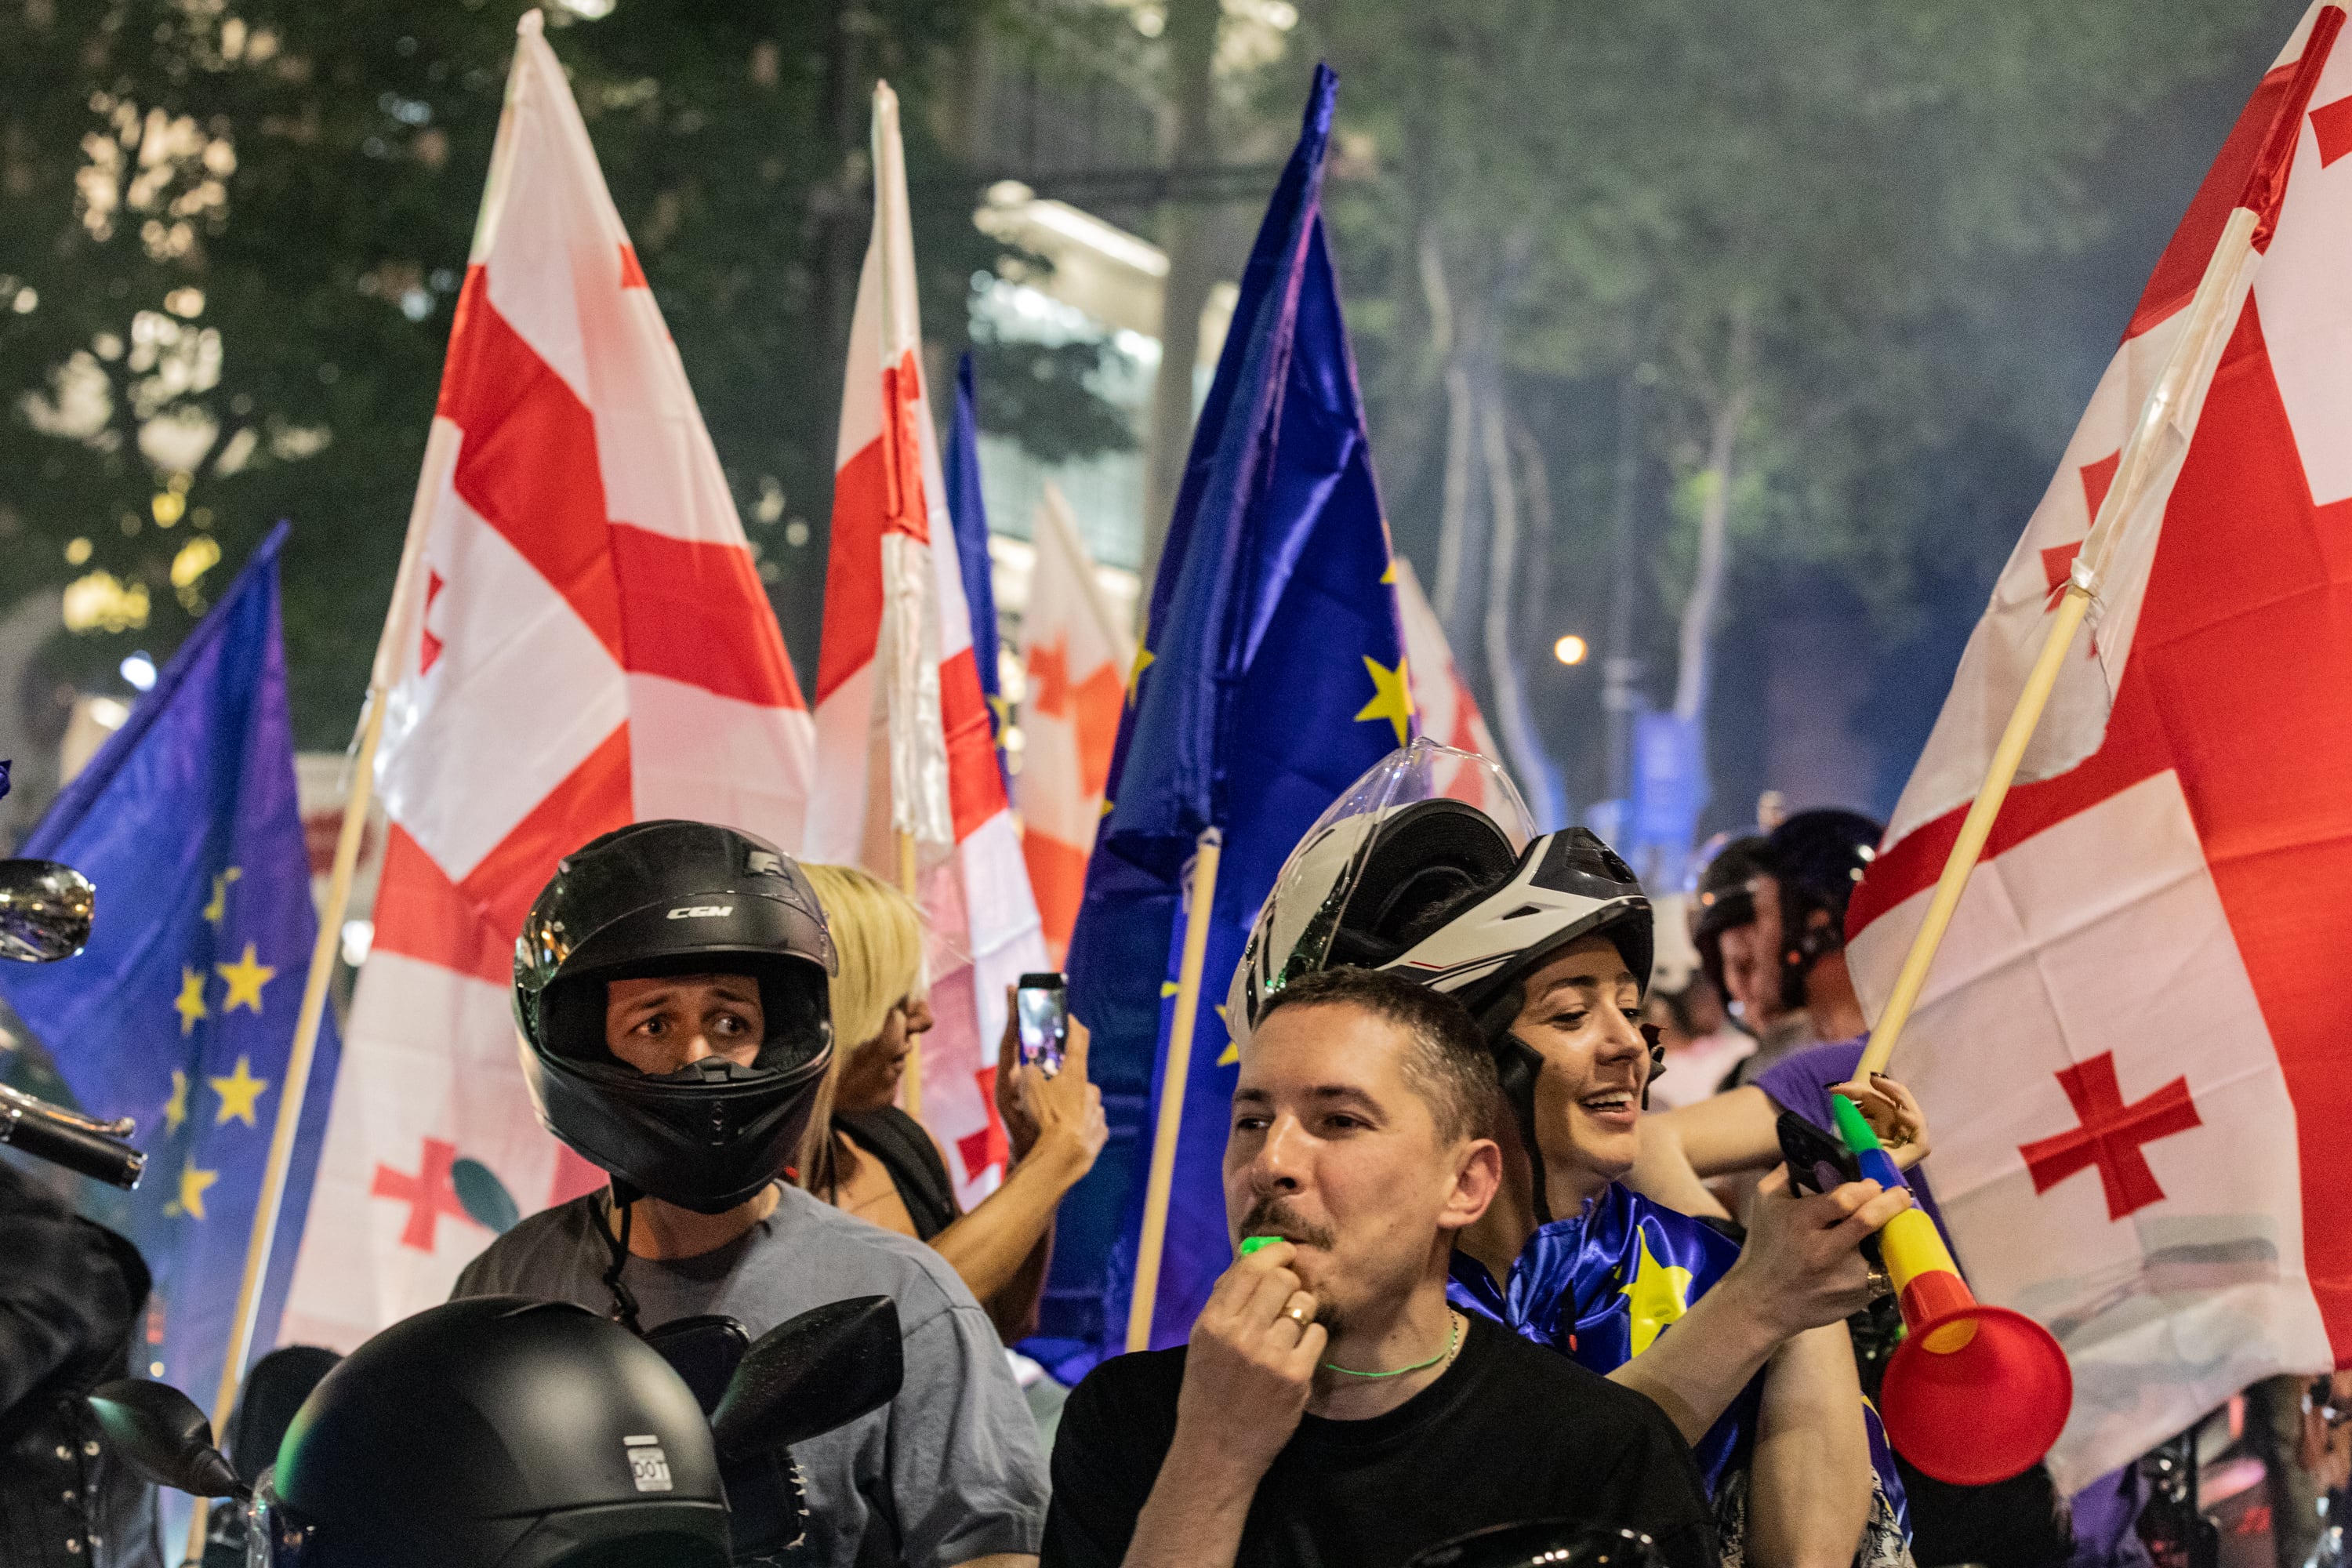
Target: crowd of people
x=1489 y=1266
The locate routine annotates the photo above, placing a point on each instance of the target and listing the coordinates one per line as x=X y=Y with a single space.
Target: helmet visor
x=1294 y=935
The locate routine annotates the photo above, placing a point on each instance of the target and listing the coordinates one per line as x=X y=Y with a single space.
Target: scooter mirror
x=44 y=910
x=1542 y=1540
x=159 y=1432
x=816 y=1372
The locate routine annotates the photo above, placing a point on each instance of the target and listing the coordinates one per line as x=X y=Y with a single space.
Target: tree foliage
x=234 y=231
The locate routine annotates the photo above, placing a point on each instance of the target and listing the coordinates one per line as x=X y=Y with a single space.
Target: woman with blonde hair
x=865 y=1155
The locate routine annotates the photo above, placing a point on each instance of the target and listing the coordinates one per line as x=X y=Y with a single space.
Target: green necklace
x=1453 y=1343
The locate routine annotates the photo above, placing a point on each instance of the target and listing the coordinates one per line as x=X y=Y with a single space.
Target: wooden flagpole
x=1175 y=1071
x=2173 y=405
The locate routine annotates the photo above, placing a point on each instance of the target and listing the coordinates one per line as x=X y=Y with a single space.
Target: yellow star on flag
x=1233 y=1052
x=246 y=978
x=219 y=906
x=193 y=1183
x=1658 y=1295
x=175 y=1110
x=239 y=1093
x=1390 y=576
x=1169 y=988
x=1391 y=696
x=190 y=1002
x=1143 y=658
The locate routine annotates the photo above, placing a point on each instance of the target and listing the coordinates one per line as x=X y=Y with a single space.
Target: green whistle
x=1258 y=1243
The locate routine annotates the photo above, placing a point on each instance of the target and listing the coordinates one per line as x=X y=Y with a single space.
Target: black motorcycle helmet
x=1725 y=900
x=1818 y=856
x=496 y=1432
x=675 y=898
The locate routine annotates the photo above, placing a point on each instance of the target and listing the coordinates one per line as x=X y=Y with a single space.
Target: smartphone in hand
x=1041 y=1007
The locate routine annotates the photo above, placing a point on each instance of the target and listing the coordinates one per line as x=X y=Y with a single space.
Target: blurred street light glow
x=1570 y=649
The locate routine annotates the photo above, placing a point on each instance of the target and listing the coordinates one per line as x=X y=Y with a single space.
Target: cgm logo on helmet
x=700 y=911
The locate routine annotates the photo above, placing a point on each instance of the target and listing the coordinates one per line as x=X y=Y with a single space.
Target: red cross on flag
x=589 y=645
x=911 y=768
x=2131 y=1044
x=1447 y=712
x=1076 y=650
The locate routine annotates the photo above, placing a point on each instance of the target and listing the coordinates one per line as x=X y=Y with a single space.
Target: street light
x=1570 y=649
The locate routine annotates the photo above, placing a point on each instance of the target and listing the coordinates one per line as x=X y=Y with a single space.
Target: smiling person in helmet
x=671 y=986
x=1548 y=943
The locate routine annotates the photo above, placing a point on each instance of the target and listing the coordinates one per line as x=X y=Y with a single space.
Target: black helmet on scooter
x=496 y=1432
x=675 y=898
x=1400 y=873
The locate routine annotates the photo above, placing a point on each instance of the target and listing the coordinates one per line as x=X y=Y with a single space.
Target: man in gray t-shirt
x=947 y=1472
x=671 y=988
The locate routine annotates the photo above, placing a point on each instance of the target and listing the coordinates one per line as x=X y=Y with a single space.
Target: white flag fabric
x=900 y=718
x=1077 y=651
x=589 y=645
x=2131 y=1042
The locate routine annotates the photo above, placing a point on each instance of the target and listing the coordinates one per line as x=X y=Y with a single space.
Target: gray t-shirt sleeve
x=966 y=1477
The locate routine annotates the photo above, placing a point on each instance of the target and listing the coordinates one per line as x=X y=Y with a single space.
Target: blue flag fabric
x=1273 y=675
x=181 y=1011
x=969 y=513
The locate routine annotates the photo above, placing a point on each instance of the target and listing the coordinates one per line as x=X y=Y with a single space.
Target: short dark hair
x=1449 y=1065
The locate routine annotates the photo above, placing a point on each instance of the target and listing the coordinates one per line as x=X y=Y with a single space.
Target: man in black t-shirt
x=1330 y=1409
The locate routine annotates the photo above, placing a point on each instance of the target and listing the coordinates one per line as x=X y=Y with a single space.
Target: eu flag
x=1271 y=675
x=181 y=1011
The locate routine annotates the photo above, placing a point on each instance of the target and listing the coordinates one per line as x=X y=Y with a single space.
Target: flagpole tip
x=532 y=26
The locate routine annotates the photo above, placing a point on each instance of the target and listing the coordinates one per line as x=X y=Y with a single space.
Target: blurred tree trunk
x=1505 y=667
x=1621 y=671
x=1188 y=234
x=1448 y=344
x=1731 y=396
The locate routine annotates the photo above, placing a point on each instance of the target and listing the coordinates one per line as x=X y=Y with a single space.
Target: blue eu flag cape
x=181 y=1011
x=1272 y=676
x=1602 y=1285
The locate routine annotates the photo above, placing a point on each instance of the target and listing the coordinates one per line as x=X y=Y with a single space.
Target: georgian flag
x=2133 y=1044
x=901 y=722
x=587 y=644
x=1076 y=650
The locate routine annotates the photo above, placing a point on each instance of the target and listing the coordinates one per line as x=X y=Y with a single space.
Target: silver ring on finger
x=1881 y=1287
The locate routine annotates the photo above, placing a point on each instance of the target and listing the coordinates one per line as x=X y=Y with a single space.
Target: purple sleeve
x=1801 y=1082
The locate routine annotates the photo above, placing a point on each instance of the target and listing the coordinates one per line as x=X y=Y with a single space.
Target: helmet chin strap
x=616 y=1237
x=1518 y=1063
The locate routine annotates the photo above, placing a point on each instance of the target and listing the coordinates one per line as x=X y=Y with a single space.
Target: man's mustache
x=1273 y=1214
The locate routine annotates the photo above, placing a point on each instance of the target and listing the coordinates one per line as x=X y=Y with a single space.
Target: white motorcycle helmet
x=1404 y=873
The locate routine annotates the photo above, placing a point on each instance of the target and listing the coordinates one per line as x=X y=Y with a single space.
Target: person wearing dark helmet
x=1723 y=900
x=1548 y=941
x=670 y=988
